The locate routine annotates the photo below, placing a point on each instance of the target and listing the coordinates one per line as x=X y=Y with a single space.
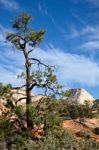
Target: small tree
x=25 y=40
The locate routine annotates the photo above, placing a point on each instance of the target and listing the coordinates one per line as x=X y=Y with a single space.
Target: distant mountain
x=79 y=96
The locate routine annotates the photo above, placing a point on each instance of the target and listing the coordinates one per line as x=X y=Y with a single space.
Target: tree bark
x=28 y=95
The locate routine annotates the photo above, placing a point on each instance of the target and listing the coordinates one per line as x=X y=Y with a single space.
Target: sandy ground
x=88 y=126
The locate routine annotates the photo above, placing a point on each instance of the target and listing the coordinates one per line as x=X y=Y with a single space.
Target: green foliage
x=83 y=134
x=49 y=111
x=46 y=79
x=75 y=111
x=19 y=110
x=26 y=34
x=6 y=129
x=96 y=104
x=5 y=89
x=22 y=75
x=68 y=93
x=65 y=140
x=46 y=113
x=35 y=37
x=3 y=128
x=21 y=22
x=89 y=145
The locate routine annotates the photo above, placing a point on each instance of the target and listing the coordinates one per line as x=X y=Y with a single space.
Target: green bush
x=83 y=134
x=52 y=141
x=73 y=111
x=89 y=145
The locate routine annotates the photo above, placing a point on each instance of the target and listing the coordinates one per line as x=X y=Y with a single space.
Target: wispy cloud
x=10 y=63
x=91 y=45
x=1 y=33
x=91 y=39
x=73 y=32
x=89 y=34
x=44 y=11
x=9 y=4
x=77 y=17
x=43 y=8
x=71 y=68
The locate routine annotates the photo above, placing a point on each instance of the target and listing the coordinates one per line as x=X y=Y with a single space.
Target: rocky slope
x=79 y=96
x=86 y=127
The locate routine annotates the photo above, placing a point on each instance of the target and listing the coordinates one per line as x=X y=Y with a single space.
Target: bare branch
x=34 y=83
x=53 y=90
x=40 y=63
x=45 y=91
x=20 y=87
x=20 y=99
x=29 y=51
x=38 y=84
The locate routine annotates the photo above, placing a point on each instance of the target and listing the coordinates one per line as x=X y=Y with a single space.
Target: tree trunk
x=28 y=95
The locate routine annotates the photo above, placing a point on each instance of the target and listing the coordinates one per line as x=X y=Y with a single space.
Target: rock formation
x=17 y=94
x=3 y=109
x=80 y=96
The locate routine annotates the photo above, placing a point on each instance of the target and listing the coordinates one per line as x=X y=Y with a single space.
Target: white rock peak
x=80 y=96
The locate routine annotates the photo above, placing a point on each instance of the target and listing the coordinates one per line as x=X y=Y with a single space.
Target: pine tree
x=25 y=40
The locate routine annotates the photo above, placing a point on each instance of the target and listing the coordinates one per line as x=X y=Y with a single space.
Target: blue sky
x=71 y=42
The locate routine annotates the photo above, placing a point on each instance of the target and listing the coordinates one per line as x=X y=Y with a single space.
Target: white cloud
x=73 y=32
x=1 y=33
x=88 y=34
x=91 y=45
x=9 y=4
x=71 y=68
x=44 y=11
x=87 y=31
x=6 y=76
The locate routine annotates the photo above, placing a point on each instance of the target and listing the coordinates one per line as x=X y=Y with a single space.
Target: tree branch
x=38 y=85
x=29 y=52
x=20 y=99
x=16 y=88
x=40 y=63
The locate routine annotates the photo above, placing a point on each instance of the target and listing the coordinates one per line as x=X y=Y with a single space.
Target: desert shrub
x=89 y=145
x=76 y=111
x=73 y=111
x=83 y=134
x=47 y=114
x=19 y=111
x=96 y=130
x=5 y=90
x=5 y=127
x=64 y=140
